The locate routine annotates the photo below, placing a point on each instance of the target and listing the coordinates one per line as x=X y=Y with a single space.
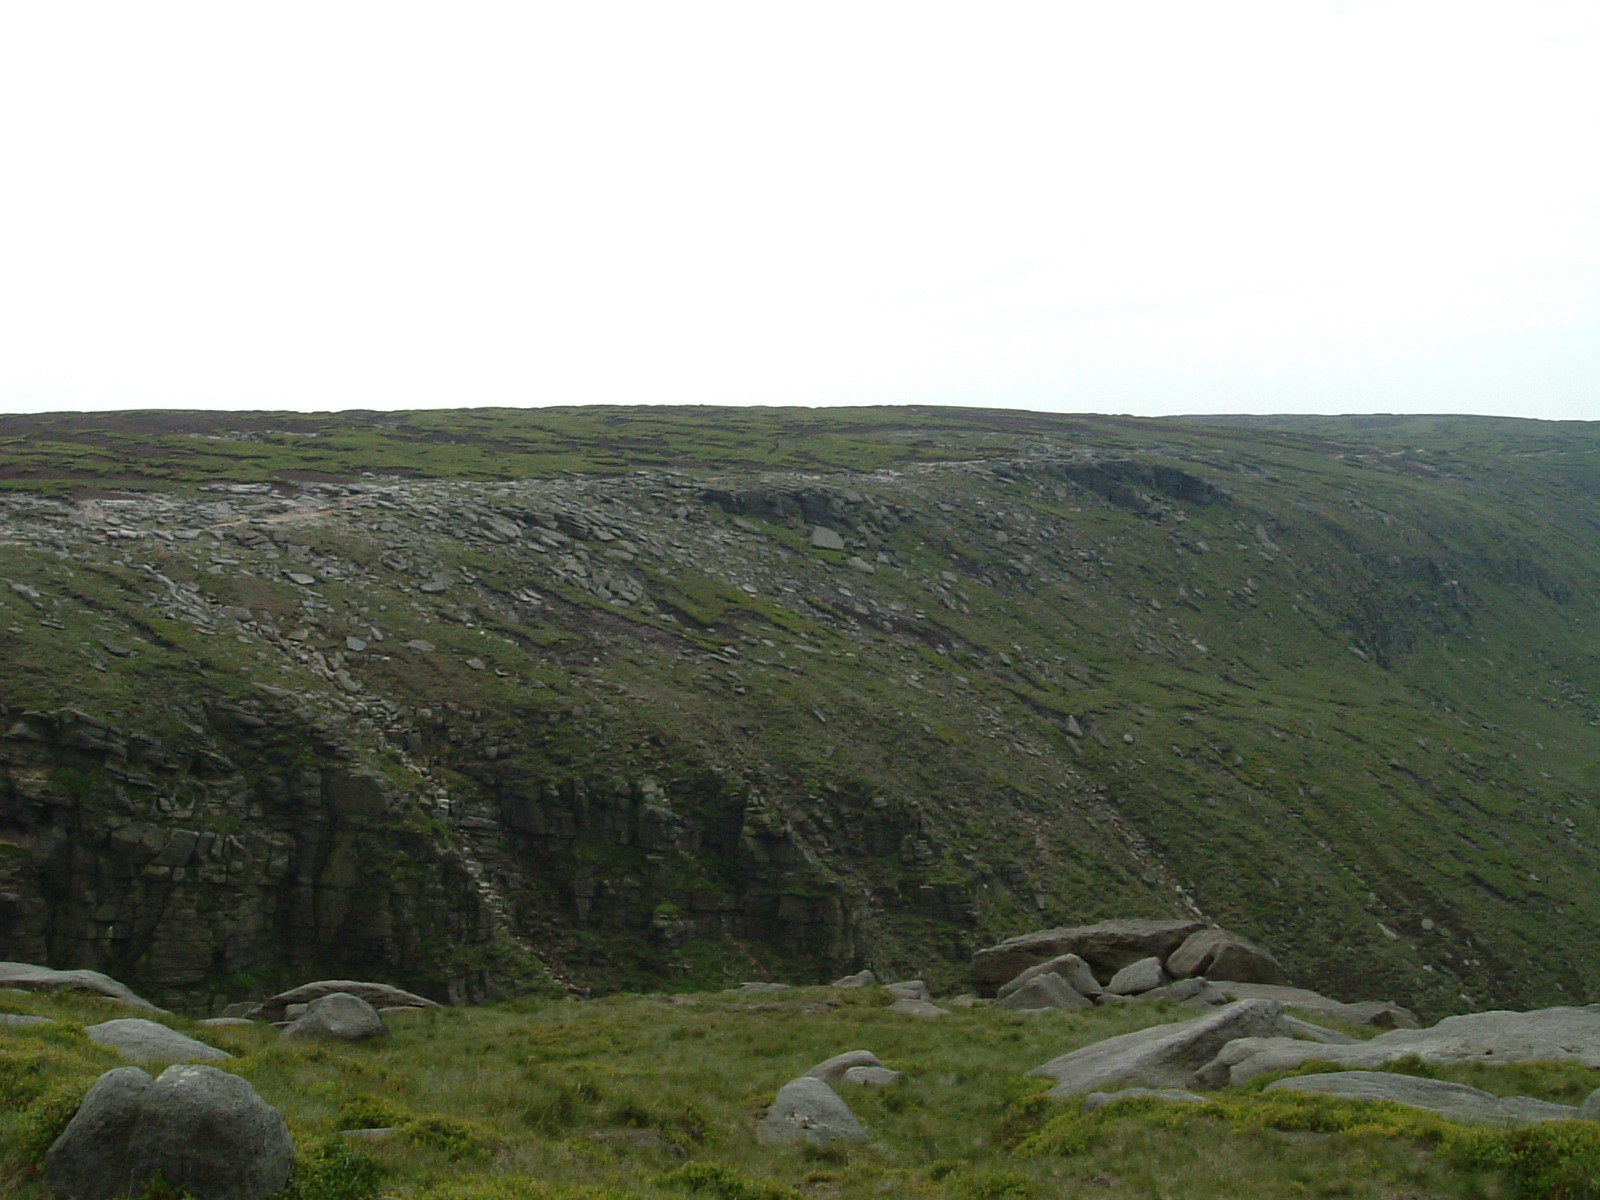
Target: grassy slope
x=1390 y=725
x=655 y=1097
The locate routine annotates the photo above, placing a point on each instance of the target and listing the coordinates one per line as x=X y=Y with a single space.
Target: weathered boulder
x=1378 y=1013
x=831 y=1069
x=1096 y=1100
x=1457 y=1101
x=379 y=995
x=909 y=989
x=32 y=978
x=1107 y=947
x=1164 y=1056
x=340 y=1017
x=142 y=1041
x=871 y=1076
x=1218 y=954
x=917 y=1008
x=860 y=979
x=1544 y=1035
x=1142 y=976
x=808 y=1110
x=205 y=1132
x=1072 y=969
x=1042 y=993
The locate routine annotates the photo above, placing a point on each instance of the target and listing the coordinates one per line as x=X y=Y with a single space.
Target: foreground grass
x=655 y=1096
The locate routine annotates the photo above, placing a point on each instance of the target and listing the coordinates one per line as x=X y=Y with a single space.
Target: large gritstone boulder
x=1164 y=1056
x=808 y=1110
x=1218 y=954
x=43 y=979
x=205 y=1132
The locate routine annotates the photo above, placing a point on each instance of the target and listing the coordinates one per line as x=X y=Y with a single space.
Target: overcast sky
x=1148 y=207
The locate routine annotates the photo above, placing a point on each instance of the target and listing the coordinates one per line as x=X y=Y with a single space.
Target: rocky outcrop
x=206 y=1133
x=1379 y=1013
x=1106 y=947
x=1164 y=1056
x=378 y=995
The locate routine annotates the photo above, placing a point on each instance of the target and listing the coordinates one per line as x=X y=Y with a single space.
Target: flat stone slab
x=918 y=1008
x=379 y=995
x=834 y=1068
x=1543 y=1035
x=31 y=978
x=1163 y=1056
x=1457 y=1101
x=142 y=1041
x=1380 y=1014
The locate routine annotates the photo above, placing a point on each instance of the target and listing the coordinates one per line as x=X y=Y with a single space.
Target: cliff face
x=1333 y=687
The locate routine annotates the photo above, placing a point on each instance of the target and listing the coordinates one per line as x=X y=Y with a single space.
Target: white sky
x=1120 y=207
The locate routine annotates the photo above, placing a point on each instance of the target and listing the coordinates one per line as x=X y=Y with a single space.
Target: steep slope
x=620 y=696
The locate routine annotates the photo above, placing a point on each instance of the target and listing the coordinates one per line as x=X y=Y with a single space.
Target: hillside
x=622 y=698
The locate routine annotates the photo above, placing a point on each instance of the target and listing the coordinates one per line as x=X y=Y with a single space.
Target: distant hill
x=651 y=697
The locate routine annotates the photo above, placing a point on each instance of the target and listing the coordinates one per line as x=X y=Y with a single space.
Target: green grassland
x=655 y=1096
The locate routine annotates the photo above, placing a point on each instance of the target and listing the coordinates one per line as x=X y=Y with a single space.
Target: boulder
x=379 y=995
x=860 y=979
x=30 y=978
x=824 y=538
x=224 y=1022
x=1164 y=1056
x=1218 y=954
x=1106 y=947
x=340 y=1017
x=834 y=1068
x=142 y=1041
x=871 y=1076
x=917 y=1008
x=1380 y=1014
x=909 y=989
x=1072 y=969
x=808 y=1110
x=1142 y=976
x=1544 y=1035
x=1043 y=993
x=205 y=1132
x=1096 y=1100
x=1457 y=1101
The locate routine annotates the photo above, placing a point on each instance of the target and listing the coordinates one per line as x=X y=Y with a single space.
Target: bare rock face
x=205 y=1132
x=808 y=1110
x=1218 y=954
x=1380 y=1014
x=1164 y=1056
x=1106 y=947
x=142 y=1041
x=339 y=1017
x=32 y=978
